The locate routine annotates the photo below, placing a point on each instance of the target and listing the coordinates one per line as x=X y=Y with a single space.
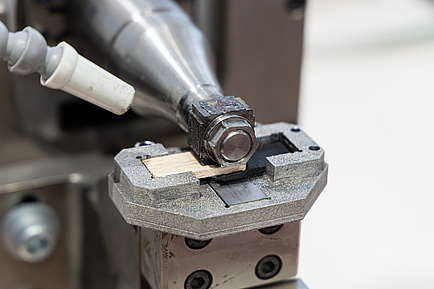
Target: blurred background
x=367 y=98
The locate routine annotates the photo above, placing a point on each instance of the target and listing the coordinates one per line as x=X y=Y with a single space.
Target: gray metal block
x=231 y=261
x=181 y=204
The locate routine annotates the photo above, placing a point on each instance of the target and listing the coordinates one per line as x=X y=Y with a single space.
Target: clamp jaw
x=242 y=212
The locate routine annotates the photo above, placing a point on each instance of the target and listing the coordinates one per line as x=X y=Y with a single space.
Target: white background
x=368 y=99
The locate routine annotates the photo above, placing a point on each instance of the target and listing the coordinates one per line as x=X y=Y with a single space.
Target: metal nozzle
x=155 y=46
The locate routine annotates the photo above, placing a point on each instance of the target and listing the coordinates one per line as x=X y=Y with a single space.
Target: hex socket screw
x=30 y=231
x=268 y=267
x=271 y=230
x=200 y=279
x=196 y=244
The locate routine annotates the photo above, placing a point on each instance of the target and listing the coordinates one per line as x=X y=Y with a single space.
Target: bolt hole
x=295 y=8
x=270 y=230
x=200 y=279
x=314 y=148
x=295 y=5
x=197 y=244
x=295 y=129
x=268 y=267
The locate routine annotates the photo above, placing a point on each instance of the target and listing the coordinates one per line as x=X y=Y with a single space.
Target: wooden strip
x=186 y=162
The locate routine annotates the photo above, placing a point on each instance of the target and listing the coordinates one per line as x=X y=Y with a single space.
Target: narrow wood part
x=186 y=162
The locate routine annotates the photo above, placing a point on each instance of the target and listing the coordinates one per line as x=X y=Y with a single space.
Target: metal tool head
x=230 y=139
x=222 y=129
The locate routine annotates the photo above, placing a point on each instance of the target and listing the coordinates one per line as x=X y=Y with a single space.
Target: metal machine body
x=155 y=46
x=63 y=185
x=241 y=260
x=177 y=212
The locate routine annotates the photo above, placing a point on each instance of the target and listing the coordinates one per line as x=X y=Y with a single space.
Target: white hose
x=61 y=67
x=82 y=78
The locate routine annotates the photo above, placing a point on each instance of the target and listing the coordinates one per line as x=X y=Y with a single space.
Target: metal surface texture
x=223 y=129
x=236 y=27
x=30 y=231
x=181 y=204
x=61 y=184
x=155 y=46
x=96 y=248
x=233 y=194
x=226 y=262
x=36 y=119
x=111 y=245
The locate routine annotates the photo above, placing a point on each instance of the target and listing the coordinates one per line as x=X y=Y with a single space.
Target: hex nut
x=231 y=140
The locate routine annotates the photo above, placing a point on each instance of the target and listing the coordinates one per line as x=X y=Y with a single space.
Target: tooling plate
x=288 y=169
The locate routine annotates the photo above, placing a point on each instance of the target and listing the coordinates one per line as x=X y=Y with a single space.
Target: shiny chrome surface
x=285 y=170
x=62 y=184
x=236 y=146
x=30 y=231
x=155 y=47
x=231 y=139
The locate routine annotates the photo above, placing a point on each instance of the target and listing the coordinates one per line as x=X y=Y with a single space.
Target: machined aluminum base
x=282 y=181
x=241 y=260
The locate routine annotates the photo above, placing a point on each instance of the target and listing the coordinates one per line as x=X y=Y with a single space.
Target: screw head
x=197 y=244
x=30 y=231
x=268 y=267
x=271 y=230
x=200 y=279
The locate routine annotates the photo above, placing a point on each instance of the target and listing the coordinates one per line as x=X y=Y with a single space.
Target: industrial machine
x=218 y=209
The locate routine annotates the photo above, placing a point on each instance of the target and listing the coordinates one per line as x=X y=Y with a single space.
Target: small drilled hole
x=139 y=157
x=314 y=148
x=295 y=129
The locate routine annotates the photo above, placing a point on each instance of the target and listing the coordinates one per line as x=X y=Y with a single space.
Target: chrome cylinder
x=155 y=47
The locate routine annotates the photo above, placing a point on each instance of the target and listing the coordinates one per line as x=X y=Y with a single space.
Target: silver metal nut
x=230 y=139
